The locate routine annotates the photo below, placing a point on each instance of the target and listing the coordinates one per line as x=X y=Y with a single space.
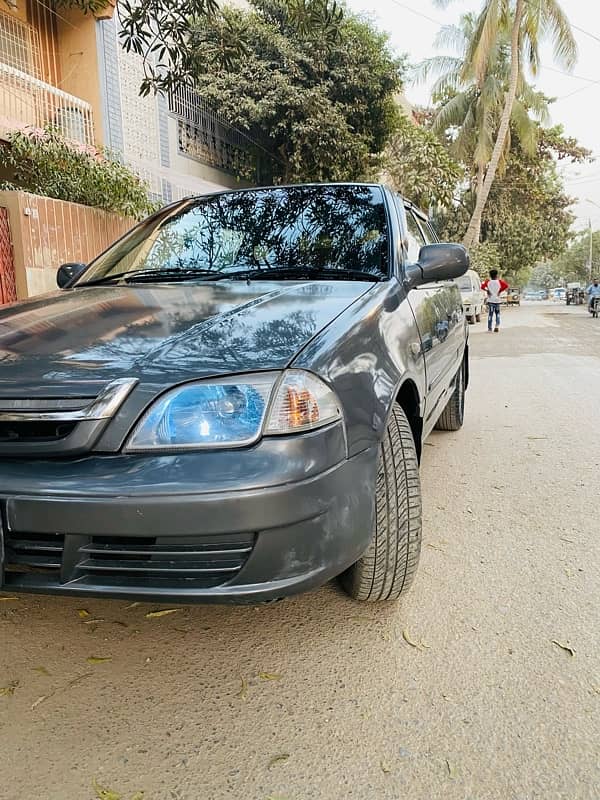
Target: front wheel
x=387 y=567
x=478 y=317
x=452 y=416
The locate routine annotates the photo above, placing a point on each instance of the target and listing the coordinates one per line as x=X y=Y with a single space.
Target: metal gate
x=8 y=288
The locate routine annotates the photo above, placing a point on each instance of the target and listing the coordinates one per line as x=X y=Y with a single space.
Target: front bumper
x=165 y=541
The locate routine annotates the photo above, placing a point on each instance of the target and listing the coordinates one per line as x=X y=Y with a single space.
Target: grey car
x=229 y=405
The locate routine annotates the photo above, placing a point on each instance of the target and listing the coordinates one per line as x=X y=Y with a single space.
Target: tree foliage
x=524 y=24
x=469 y=106
x=527 y=218
x=573 y=263
x=324 y=111
x=420 y=167
x=44 y=163
x=168 y=34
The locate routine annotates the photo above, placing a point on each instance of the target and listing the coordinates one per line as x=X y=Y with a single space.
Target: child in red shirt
x=494 y=288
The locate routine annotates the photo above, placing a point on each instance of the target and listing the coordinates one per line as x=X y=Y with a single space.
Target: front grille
x=59 y=426
x=201 y=562
x=164 y=562
x=39 y=552
x=35 y=431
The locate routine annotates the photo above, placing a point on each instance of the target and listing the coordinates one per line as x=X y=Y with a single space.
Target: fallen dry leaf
x=78 y=679
x=39 y=701
x=269 y=676
x=93 y=621
x=243 y=688
x=564 y=647
x=469 y=510
x=407 y=639
x=451 y=769
x=435 y=547
x=8 y=599
x=417 y=645
x=104 y=794
x=83 y=614
x=41 y=670
x=138 y=796
x=163 y=613
x=98 y=659
x=133 y=605
x=8 y=691
x=385 y=767
x=278 y=759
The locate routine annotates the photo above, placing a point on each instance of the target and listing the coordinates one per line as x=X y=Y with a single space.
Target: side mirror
x=67 y=273
x=438 y=262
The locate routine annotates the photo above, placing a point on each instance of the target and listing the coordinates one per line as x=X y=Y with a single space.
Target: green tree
x=469 y=104
x=572 y=264
x=527 y=218
x=420 y=167
x=544 y=277
x=324 y=113
x=528 y=21
x=167 y=34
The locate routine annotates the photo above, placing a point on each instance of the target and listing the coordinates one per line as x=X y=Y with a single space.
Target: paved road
x=491 y=708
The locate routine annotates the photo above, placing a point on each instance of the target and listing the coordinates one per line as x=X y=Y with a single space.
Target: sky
x=413 y=24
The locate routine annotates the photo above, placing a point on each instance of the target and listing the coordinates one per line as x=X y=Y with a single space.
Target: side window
x=426 y=232
x=430 y=237
x=431 y=232
x=415 y=238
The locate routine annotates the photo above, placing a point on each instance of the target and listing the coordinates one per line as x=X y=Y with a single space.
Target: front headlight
x=235 y=412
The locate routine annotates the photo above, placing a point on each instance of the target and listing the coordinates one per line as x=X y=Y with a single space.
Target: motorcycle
x=594 y=307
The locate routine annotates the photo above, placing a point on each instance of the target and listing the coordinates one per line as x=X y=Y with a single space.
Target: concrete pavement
x=319 y=697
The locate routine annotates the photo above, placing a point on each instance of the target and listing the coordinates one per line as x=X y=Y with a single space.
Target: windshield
x=308 y=228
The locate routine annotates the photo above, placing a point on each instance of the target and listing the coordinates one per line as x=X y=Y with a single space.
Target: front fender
x=366 y=354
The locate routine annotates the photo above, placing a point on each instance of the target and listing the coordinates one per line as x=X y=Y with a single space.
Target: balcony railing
x=28 y=101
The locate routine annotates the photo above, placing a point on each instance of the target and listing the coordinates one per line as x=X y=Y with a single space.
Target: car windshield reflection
x=328 y=232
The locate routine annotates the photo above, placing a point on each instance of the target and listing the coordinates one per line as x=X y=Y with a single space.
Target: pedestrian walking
x=494 y=287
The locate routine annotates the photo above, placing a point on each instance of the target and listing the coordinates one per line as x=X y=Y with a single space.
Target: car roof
x=371 y=184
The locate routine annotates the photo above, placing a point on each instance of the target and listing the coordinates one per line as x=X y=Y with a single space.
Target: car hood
x=71 y=342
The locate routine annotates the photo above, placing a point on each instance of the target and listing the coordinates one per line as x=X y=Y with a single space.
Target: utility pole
x=591 y=249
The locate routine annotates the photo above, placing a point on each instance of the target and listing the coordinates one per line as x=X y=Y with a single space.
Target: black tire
x=471 y=319
x=477 y=317
x=387 y=567
x=453 y=415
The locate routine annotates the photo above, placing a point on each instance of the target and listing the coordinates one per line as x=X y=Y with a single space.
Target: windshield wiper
x=304 y=272
x=153 y=275
x=289 y=273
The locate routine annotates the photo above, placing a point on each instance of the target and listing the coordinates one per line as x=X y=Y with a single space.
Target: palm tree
x=470 y=106
x=528 y=21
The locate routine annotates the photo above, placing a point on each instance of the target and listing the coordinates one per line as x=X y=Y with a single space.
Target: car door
x=440 y=318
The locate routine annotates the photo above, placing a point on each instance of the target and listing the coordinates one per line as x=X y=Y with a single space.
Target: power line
x=586 y=33
x=418 y=13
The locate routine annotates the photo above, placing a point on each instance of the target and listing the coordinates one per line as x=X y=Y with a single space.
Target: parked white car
x=473 y=296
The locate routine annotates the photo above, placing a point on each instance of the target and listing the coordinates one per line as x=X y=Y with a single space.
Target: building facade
x=67 y=69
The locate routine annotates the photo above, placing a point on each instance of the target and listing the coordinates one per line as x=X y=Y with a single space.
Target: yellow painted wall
x=78 y=57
